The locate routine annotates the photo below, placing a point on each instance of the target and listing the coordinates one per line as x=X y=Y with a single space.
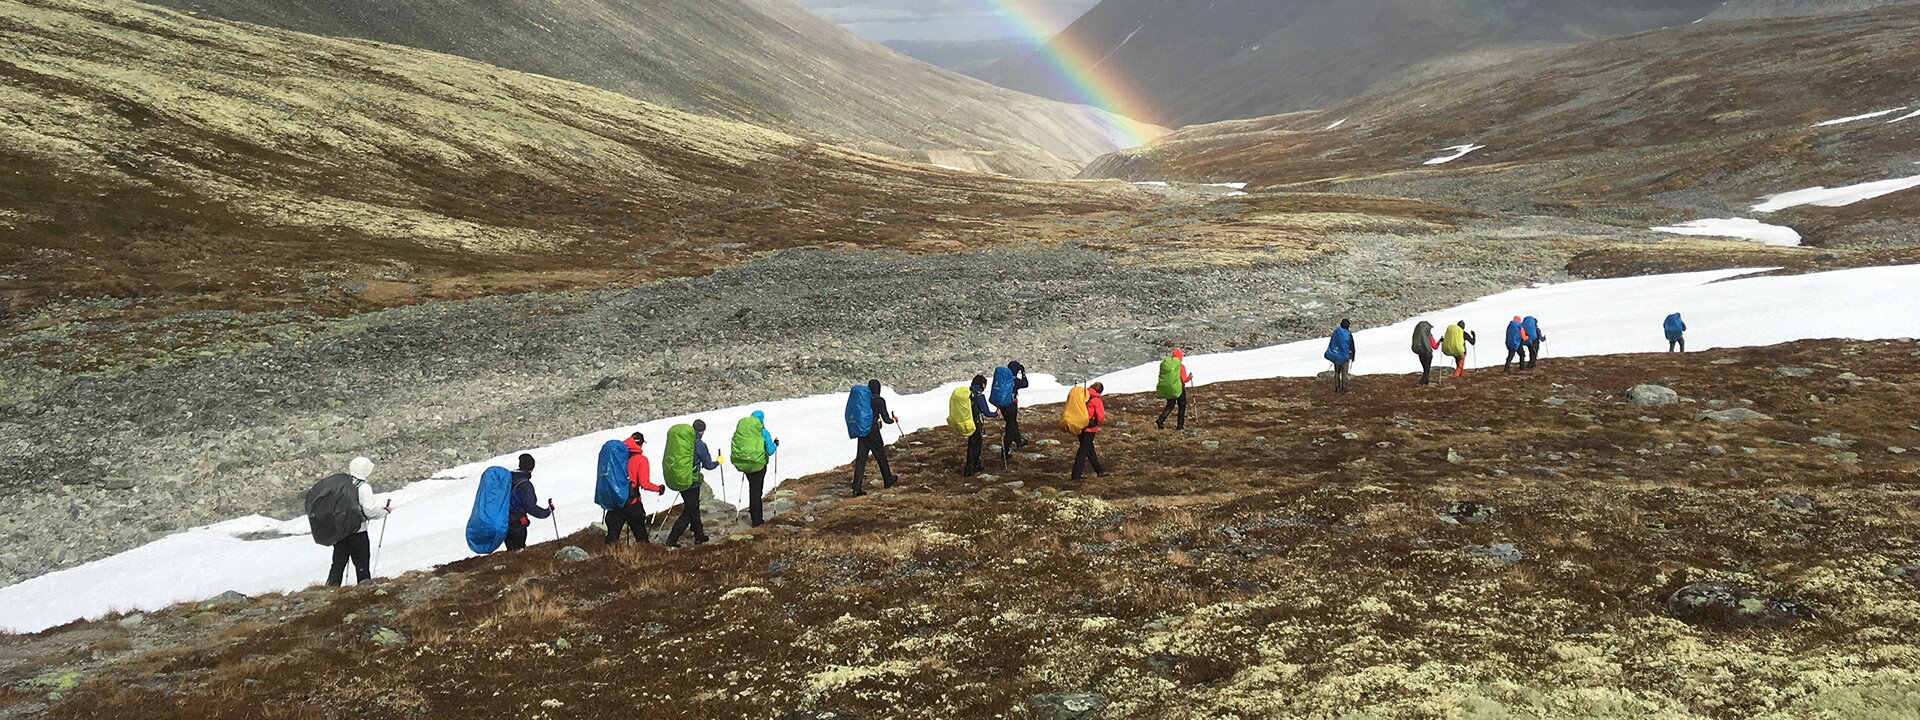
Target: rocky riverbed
x=99 y=465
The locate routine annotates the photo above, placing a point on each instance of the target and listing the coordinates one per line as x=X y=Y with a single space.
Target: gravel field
x=103 y=464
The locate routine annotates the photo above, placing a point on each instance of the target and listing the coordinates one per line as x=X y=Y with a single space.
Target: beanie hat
x=361 y=468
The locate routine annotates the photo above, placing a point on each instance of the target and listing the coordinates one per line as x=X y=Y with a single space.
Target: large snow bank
x=1835 y=197
x=1743 y=228
x=1459 y=151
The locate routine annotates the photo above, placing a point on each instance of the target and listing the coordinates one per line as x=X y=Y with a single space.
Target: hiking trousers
x=633 y=517
x=1426 y=368
x=974 y=443
x=1460 y=366
x=1533 y=354
x=517 y=533
x=1680 y=343
x=1087 y=455
x=1012 y=436
x=353 y=547
x=872 y=445
x=1181 y=402
x=756 y=486
x=689 y=517
x=1342 y=376
x=1513 y=352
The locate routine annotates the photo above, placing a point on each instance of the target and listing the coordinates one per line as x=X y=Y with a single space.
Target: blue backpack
x=1532 y=327
x=487 y=525
x=859 y=412
x=1002 y=395
x=1674 y=326
x=1515 y=333
x=610 y=490
x=1337 y=347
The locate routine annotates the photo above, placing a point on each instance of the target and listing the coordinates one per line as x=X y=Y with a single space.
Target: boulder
x=571 y=553
x=1506 y=553
x=1066 y=706
x=1723 y=605
x=1733 y=415
x=1792 y=372
x=1646 y=394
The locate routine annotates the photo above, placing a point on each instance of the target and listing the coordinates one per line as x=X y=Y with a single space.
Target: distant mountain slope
x=1751 y=9
x=145 y=153
x=767 y=62
x=1195 y=61
x=972 y=58
x=1702 y=119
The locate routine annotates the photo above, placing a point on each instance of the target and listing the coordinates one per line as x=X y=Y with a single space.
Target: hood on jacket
x=1177 y=352
x=761 y=416
x=633 y=445
x=874 y=385
x=361 y=469
x=1095 y=389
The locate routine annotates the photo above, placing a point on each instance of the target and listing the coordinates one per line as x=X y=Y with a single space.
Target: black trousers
x=1680 y=343
x=1533 y=353
x=1180 y=402
x=689 y=517
x=354 y=547
x=1513 y=352
x=872 y=445
x=1012 y=436
x=756 y=486
x=1426 y=368
x=517 y=533
x=974 y=443
x=1087 y=455
x=632 y=517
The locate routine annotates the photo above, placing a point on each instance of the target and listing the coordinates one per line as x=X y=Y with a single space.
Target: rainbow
x=1081 y=67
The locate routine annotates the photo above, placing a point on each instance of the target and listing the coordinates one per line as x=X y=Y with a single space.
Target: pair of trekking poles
x=660 y=518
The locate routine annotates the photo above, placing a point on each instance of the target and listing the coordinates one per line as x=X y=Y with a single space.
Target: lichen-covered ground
x=1289 y=557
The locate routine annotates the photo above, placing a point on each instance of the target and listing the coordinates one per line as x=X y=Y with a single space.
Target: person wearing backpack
x=1007 y=398
x=356 y=546
x=1341 y=352
x=1423 y=346
x=1676 y=330
x=639 y=477
x=1531 y=326
x=753 y=450
x=690 y=479
x=874 y=444
x=1454 y=344
x=1096 y=416
x=525 y=504
x=981 y=410
x=1516 y=345
x=1174 y=379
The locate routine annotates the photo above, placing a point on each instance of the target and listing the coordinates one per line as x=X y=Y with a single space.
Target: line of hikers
x=340 y=506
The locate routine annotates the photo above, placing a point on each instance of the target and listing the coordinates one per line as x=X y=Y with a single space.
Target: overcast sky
x=941 y=19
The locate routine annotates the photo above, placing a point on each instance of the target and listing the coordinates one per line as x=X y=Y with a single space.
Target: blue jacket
x=525 y=500
x=982 y=408
x=1516 y=335
x=703 y=458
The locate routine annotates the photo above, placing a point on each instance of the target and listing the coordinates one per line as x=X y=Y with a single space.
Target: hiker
x=1531 y=327
x=525 y=504
x=1454 y=345
x=753 y=450
x=981 y=410
x=687 y=457
x=1008 y=381
x=1174 y=379
x=1676 y=333
x=356 y=546
x=639 y=477
x=1423 y=345
x=1516 y=345
x=1341 y=352
x=873 y=443
x=1096 y=416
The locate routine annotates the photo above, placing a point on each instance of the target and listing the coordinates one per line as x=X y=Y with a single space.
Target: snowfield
x=1337 y=123
x=1743 y=228
x=1835 y=197
x=1596 y=317
x=1459 y=151
x=1857 y=118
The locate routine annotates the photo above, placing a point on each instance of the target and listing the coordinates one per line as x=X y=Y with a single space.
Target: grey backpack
x=333 y=509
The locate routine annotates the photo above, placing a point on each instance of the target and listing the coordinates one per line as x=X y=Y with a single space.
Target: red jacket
x=639 y=473
x=1096 y=411
x=1185 y=377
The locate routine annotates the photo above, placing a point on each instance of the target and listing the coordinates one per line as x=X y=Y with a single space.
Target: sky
x=885 y=20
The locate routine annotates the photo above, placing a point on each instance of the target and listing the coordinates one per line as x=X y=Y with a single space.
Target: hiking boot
x=859 y=493
x=889 y=483
x=1161 y=423
x=702 y=540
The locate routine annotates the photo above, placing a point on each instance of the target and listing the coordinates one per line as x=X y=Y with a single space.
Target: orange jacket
x=639 y=473
x=1096 y=411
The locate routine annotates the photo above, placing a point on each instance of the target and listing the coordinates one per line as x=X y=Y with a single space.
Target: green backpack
x=749 y=445
x=1169 y=387
x=677 y=461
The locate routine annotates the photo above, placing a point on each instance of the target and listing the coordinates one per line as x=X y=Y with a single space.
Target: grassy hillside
x=1498 y=547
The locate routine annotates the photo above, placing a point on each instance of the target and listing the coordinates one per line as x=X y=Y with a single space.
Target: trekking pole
x=553 y=515
x=374 y=566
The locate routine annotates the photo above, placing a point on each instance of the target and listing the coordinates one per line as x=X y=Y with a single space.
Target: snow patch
x=1857 y=118
x=1337 y=123
x=1908 y=116
x=1229 y=185
x=1743 y=228
x=1152 y=183
x=1835 y=197
x=427 y=528
x=1459 y=151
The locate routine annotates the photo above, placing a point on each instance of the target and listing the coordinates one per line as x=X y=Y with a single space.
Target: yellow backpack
x=1074 y=418
x=960 y=411
x=1454 y=342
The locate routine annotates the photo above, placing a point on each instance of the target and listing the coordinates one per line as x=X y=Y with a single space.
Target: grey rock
x=225 y=599
x=1733 y=415
x=1350 y=436
x=1792 y=372
x=1506 y=553
x=1847 y=458
x=1455 y=457
x=1546 y=472
x=1467 y=512
x=572 y=554
x=117 y=482
x=1831 y=442
x=1795 y=503
x=1210 y=444
x=986 y=478
x=133 y=621
x=1645 y=394
x=1066 y=705
x=1716 y=451
x=1724 y=605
